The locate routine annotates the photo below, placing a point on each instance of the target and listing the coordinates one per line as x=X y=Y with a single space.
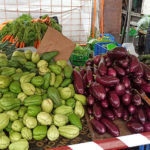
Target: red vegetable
x=126 y=82
x=147 y=126
x=118 y=112
x=136 y=100
x=125 y=115
x=107 y=89
x=97 y=111
x=78 y=82
x=90 y=90
x=89 y=75
x=97 y=59
x=146 y=87
x=141 y=115
x=111 y=127
x=147 y=111
x=120 y=71
x=120 y=89
x=89 y=62
x=140 y=71
x=128 y=91
x=102 y=69
x=98 y=126
x=118 y=53
x=108 y=114
x=134 y=65
x=135 y=127
x=90 y=100
x=85 y=82
x=105 y=103
x=90 y=110
x=95 y=70
x=131 y=109
x=126 y=99
x=138 y=81
x=82 y=71
x=108 y=62
x=107 y=80
x=124 y=62
x=146 y=71
x=112 y=72
x=98 y=91
x=114 y=99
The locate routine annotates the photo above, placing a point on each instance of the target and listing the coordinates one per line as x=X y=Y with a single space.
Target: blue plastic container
x=144 y=147
x=99 y=49
x=108 y=36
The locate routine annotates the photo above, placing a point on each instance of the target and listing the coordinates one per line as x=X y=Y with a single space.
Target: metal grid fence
x=74 y=15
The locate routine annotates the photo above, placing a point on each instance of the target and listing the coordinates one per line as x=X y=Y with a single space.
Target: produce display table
x=112 y=143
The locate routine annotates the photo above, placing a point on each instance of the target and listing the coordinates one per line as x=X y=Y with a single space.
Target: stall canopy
x=74 y=15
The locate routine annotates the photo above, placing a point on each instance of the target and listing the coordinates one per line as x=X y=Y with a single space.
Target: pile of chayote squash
x=37 y=99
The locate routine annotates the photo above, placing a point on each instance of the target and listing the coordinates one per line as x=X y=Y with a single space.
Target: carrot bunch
x=37 y=43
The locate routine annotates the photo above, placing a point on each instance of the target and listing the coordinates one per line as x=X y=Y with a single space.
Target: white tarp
x=146 y=7
x=74 y=15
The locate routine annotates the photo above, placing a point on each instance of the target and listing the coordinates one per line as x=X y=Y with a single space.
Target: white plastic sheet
x=146 y=7
x=74 y=15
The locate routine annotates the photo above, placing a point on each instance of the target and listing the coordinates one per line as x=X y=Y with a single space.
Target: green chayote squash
x=26 y=133
x=60 y=120
x=33 y=110
x=4 y=81
x=7 y=71
x=19 y=54
x=52 y=133
x=55 y=69
x=65 y=93
x=61 y=63
x=70 y=102
x=21 y=96
x=3 y=61
x=69 y=131
x=27 y=78
x=63 y=109
x=79 y=110
x=81 y=98
x=12 y=115
x=47 y=105
x=22 y=111
x=44 y=118
x=15 y=136
x=39 y=132
x=35 y=57
x=29 y=65
x=28 y=54
x=10 y=94
x=42 y=63
x=4 y=142
x=30 y=122
x=28 y=88
x=15 y=87
x=33 y=100
x=4 y=120
x=22 y=144
x=17 y=125
x=37 y=81
x=17 y=76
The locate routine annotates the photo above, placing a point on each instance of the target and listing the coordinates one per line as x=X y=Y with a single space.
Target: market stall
x=60 y=95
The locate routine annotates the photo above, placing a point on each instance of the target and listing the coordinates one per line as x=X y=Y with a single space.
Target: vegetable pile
x=110 y=83
x=26 y=31
x=37 y=100
x=145 y=59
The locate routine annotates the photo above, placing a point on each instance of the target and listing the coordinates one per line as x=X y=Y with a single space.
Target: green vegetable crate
x=79 y=60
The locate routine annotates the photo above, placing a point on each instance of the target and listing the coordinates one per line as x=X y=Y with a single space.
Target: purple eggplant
x=97 y=112
x=126 y=82
x=141 y=115
x=111 y=127
x=137 y=100
x=90 y=110
x=120 y=71
x=124 y=62
x=118 y=53
x=105 y=103
x=131 y=109
x=107 y=80
x=78 y=82
x=98 y=126
x=134 y=65
x=146 y=87
x=112 y=72
x=135 y=127
x=90 y=100
x=147 y=126
x=126 y=99
x=109 y=114
x=97 y=59
x=114 y=99
x=120 y=89
x=102 y=69
x=82 y=71
x=147 y=111
x=140 y=71
x=146 y=71
x=89 y=75
x=118 y=111
x=125 y=115
x=98 y=91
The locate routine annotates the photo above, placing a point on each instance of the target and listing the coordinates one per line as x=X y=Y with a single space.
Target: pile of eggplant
x=110 y=83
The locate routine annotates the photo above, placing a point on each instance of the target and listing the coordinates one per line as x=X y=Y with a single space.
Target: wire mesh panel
x=74 y=15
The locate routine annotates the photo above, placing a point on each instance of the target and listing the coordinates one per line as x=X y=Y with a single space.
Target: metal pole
x=129 y=19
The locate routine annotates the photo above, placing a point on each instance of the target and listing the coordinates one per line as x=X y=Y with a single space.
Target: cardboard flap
x=55 y=41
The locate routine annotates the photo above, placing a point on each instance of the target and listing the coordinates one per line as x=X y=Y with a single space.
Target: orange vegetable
x=17 y=44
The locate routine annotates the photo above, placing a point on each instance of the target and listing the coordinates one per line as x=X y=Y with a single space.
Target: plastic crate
x=78 y=63
x=144 y=147
x=99 y=49
x=108 y=36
